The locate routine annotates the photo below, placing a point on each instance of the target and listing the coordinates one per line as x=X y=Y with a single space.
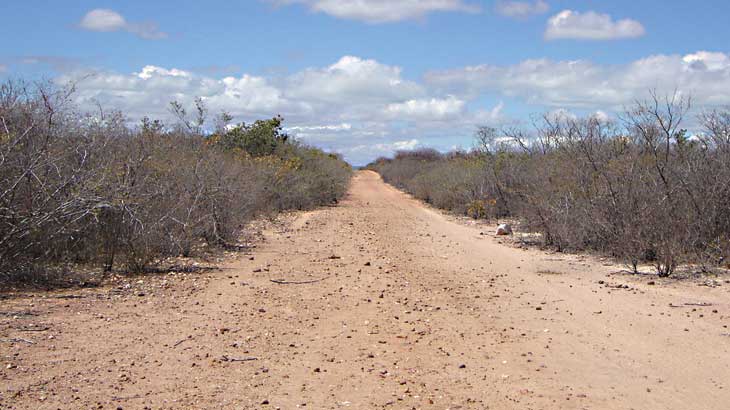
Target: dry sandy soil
x=381 y=303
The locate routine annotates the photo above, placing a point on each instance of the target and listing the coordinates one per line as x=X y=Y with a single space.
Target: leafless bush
x=641 y=189
x=89 y=189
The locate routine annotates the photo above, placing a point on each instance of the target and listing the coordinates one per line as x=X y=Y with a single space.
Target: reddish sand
x=393 y=306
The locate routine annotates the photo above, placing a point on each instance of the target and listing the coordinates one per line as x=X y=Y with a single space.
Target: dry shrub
x=641 y=188
x=80 y=189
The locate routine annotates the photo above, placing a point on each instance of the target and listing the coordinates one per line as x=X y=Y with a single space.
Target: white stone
x=504 y=229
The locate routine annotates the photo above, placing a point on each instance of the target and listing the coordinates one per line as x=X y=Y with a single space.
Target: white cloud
x=349 y=103
x=149 y=92
x=704 y=60
x=569 y=24
x=403 y=145
x=385 y=148
x=382 y=11
x=105 y=20
x=354 y=82
x=248 y=94
x=151 y=71
x=493 y=116
x=350 y=89
x=363 y=103
x=584 y=84
x=561 y=114
x=434 y=108
x=521 y=9
x=3 y=68
x=600 y=115
x=327 y=132
x=338 y=127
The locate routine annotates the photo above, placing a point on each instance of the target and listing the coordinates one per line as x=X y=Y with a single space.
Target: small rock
x=504 y=229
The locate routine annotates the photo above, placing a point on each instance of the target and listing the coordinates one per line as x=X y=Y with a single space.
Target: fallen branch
x=11 y=314
x=237 y=359
x=179 y=342
x=33 y=329
x=305 y=282
x=690 y=304
x=17 y=339
x=116 y=398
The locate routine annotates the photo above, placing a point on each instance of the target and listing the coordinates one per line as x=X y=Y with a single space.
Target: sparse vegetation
x=88 y=189
x=640 y=189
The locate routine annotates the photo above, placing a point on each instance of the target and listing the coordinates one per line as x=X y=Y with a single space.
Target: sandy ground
x=381 y=303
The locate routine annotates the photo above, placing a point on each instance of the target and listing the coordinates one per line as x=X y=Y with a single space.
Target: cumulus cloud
x=149 y=92
x=354 y=81
x=427 y=109
x=351 y=88
x=492 y=116
x=382 y=11
x=600 y=115
x=585 y=84
x=384 y=149
x=105 y=20
x=521 y=9
x=322 y=133
x=356 y=102
x=704 y=60
x=405 y=145
x=337 y=127
x=352 y=102
x=569 y=24
x=152 y=71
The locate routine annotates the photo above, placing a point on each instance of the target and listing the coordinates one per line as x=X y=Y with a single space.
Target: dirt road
x=379 y=302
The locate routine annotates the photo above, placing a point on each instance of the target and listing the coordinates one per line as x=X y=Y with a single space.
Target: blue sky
x=365 y=77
